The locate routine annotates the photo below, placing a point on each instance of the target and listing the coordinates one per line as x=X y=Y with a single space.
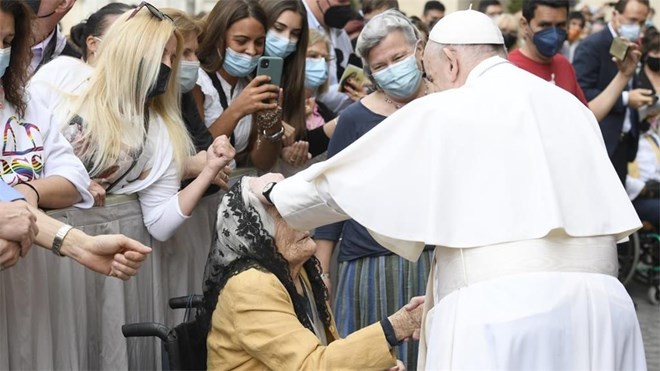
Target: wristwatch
x=59 y=239
x=266 y=191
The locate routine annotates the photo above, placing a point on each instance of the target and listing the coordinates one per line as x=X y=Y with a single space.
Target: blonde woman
x=124 y=121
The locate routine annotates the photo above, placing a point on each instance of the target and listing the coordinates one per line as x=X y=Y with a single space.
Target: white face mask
x=5 y=57
x=188 y=72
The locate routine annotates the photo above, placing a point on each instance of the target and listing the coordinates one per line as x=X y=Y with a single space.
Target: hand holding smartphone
x=272 y=67
x=619 y=48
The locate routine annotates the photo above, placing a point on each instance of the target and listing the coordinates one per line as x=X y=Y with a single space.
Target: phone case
x=271 y=66
x=619 y=48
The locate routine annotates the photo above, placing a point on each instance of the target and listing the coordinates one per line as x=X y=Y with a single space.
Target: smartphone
x=619 y=48
x=271 y=66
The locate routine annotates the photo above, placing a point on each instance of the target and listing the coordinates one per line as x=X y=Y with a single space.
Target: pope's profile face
x=433 y=64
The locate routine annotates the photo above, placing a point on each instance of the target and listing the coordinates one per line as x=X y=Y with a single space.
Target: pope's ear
x=451 y=64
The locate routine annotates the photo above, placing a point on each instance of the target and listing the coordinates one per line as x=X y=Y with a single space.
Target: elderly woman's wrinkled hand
x=407 y=323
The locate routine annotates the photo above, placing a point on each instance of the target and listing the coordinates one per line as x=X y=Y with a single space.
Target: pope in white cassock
x=508 y=176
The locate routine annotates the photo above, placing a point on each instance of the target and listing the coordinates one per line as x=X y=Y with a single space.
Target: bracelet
x=275 y=137
x=59 y=239
x=34 y=189
x=388 y=330
x=325 y=276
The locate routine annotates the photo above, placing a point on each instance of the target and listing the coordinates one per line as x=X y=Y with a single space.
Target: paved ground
x=649 y=320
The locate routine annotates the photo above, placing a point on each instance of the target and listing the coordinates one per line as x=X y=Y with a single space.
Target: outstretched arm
x=111 y=255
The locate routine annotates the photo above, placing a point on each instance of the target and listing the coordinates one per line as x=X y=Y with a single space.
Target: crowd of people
x=166 y=105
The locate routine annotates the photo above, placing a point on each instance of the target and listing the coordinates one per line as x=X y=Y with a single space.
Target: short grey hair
x=378 y=28
x=472 y=53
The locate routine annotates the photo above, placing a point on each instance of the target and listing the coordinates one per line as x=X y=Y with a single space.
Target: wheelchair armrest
x=181 y=302
x=145 y=329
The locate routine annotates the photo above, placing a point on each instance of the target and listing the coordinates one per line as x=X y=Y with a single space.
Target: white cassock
x=509 y=178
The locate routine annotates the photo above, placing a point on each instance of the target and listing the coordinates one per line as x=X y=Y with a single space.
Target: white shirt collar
x=609 y=25
x=484 y=66
x=313 y=23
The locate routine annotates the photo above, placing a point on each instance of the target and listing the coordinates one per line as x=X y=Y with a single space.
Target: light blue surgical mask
x=279 y=46
x=5 y=56
x=629 y=31
x=188 y=72
x=316 y=72
x=239 y=64
x=400 y=80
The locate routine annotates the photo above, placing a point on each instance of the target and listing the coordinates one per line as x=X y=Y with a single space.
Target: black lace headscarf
x=243 y=240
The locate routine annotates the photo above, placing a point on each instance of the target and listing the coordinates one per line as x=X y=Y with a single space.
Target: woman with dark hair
x=36 y=160
x=87 y=34
x=288 y=38
x=225 y=94
x=265 y=301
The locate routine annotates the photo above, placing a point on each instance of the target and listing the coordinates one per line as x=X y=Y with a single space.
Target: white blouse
x=213 y=108
x=158 y=191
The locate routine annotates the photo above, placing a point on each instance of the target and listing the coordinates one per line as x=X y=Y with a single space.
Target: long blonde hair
x=112 y=106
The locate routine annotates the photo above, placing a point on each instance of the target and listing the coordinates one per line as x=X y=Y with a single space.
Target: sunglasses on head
x=153 y=10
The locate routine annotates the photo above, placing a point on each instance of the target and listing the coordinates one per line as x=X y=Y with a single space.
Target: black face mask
x=338 y=15
x=161 y=82
x=510 y=39
x=653 y=63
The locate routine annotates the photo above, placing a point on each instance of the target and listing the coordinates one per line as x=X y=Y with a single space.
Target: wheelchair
x=639 y=259
x=184 y=346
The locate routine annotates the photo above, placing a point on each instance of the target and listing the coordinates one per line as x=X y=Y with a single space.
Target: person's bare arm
x=55 y=192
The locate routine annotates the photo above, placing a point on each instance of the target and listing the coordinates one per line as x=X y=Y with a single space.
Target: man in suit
x=48 y=41
x=595 y=70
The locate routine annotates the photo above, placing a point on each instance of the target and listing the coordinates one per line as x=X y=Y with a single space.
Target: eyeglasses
x=153 y=10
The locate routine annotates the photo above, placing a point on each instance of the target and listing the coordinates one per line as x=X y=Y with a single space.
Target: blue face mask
x=278 y=46
x=316 y=72
x=239 y=64
x=400 y=80
x=629 y=31
x=5 y=56
x=549 y=41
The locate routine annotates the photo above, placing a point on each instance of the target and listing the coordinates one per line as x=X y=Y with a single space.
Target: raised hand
x=296 y=154
x=219 y=154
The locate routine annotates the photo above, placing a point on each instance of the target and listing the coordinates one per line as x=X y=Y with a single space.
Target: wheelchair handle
x=181 y=302
x=145 y=329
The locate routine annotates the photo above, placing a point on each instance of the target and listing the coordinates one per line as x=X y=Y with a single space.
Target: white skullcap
x=466 y=27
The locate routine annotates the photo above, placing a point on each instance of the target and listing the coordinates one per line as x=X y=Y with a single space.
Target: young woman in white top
x=229 y=51
x=35 y=159
x=124 y=120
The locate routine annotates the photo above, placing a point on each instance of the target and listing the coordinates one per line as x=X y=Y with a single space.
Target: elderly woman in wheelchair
x=266 y=304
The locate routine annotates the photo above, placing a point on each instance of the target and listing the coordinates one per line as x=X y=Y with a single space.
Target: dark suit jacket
x=595 y=70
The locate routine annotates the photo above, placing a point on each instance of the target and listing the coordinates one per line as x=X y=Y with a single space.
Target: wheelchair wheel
x=628 y=253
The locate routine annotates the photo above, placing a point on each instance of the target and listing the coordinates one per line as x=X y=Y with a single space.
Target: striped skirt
x=372 y=288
